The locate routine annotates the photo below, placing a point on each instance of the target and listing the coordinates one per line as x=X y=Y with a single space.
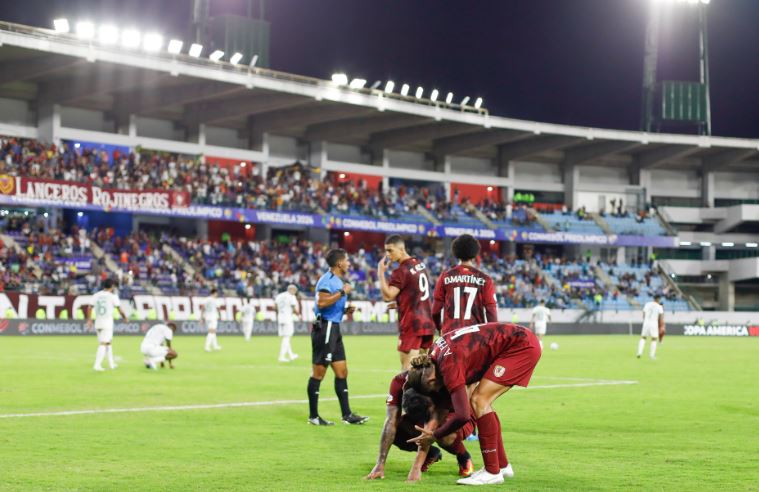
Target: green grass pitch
x=690 y=422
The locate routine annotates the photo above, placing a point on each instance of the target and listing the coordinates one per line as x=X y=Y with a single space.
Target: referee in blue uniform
x=326 y=340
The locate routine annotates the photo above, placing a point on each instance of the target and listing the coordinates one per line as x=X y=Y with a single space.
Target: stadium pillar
x=49 y=123
x=571 y=178
x=726 y=293
x=380 y=158
x=642 y=177
x=707 y=189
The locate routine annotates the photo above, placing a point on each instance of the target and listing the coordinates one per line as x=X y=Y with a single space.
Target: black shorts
x=406 y=430
x=326 y=343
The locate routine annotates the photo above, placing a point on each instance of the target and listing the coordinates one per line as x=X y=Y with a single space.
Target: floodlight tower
x=684 y=102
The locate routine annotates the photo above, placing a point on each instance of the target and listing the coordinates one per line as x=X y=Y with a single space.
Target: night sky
x=576 y=62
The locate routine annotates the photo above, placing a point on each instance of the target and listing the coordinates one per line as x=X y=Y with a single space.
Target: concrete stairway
x=600 y=222
x=540 y=220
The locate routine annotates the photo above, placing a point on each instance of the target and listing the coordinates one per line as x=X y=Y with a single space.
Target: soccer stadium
x=195 y=244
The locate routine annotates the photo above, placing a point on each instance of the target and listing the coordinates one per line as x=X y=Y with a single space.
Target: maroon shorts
x=409 y=341
x=515 y=366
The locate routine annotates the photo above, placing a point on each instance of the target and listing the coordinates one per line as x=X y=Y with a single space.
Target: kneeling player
x=153 y=347
x=399 y=428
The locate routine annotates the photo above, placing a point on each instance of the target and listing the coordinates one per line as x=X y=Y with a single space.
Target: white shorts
x=540 y=328
x=650 y=331
x=212 y=324
x=286 y=329
x=105 y=335
x=154 y=351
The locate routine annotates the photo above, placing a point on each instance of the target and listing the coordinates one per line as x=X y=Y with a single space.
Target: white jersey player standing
x=104 y=302
x=211 y=320
x=246 y=320
x=286 y=303
x=156 y=346
x=539 y=321
x=653 y=326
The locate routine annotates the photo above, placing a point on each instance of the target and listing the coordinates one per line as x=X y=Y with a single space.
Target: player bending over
x=156 y=346
x=498 y=356
x=418 y=409
x=104 y=302
x=653 y=326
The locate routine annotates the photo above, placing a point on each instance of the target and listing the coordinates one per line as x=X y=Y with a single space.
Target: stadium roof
x=44 y=67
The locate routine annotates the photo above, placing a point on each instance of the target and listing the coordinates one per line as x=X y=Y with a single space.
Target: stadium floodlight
x=478 y=103
x=108 y=34
x=376 y=84
x=449 y=98
x=253 y=61
x=175 y=46
x=235 y=59
x=419 y=92
x=243 y=164
x=61 y=25
x=195 y=50
x=346 y=233
x=404 y=89
x=685 y=243
x=247 y=227
x=389 y=86
x=705 y=244
x=728 y=245
x=79 y=214
x=152 y=42
x=490 y=188
x=45 y=215
x=342 y=176
x=464 y=101
x=433 y=95
x=85 y=30
x=340 y=78
x=131 y=38
x=752 y=245
x=357 y=83
x=216 y=55
x=492 y=242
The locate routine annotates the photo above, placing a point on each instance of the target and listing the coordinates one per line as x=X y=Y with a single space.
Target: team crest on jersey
x=499 y=371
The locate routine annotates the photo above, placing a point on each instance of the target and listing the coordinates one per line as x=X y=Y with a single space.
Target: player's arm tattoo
x=388 y=433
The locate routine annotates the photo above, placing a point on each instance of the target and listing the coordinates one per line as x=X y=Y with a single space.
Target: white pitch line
x=214 y=406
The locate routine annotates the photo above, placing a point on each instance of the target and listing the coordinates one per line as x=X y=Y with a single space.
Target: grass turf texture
x=690 y=423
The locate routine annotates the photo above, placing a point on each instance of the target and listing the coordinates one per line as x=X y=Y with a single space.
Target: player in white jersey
x=653 y=326
x=153 y=348
x=211 y=320
x=246 y=320
x=286 y=303
x=539 y=321
x=104 y=302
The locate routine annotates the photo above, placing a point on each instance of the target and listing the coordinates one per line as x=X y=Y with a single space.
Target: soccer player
x=399 y=427
x=211 y=320
x=653 y=326
x=246 y=320
x=327 y=347
x=498 y=356
x=104 y=302
x=540 y=316
x=464 y=295
x=287 y=303
x=153 y=348
x=409 y=288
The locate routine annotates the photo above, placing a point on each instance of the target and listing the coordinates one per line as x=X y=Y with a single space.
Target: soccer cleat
x=294 y=356
x=354 y=419
x=507 y=472
x=472 y=437
x=467 y=469
x=319 y=421
x=282 y=359
x=98 y=368
x=481 y=477
x=432 y=457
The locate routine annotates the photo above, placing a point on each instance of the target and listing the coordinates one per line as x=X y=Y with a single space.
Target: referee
x=326 y=340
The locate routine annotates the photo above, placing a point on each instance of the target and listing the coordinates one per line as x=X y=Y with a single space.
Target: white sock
x=209 y=340
x=109 y=353
x=641 y=346
x=283 y=349
x=653 y=349
x=100 y=356
x=246 y=331
x=289 y=347
x=215 y=342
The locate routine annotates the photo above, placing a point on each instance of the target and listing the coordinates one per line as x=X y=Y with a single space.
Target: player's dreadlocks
x=419 y=366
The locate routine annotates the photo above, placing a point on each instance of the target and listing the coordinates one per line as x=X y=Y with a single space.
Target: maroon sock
x=503 y=461
x=457 y=447
x=488 y=427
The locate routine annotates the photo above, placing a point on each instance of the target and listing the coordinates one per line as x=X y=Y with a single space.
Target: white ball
x=554 y=346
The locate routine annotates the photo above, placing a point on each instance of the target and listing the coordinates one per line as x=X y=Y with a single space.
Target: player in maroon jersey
x=418 y=409
x=498 y=356
x=409 y=287
x=464 y=295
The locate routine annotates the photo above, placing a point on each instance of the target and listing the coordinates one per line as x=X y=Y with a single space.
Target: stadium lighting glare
x=449 y=98
x=195 y=50
x=152 y=42
x=464 y=101
x=253 y=61
x=708 y=276
x=419 y=92
x=357 y=83
x=235 y=59
x=340 y=78
x=705 y=244
x=342 y=175
x=85 y=30
x=478 y=103
x=728 y=245
x=376 y=84
x=247 y=227
x=45 y=215
x=433 y=95
x=216 y=55
x=79 y=214
x=108 y=34
x=492 y=242
x=389 y=86
x=346 y=233
x=130 y=38
x=685 y=243
x=175 y=46
x=61 y=25
x=752 y=245
x=404 y=89
x=490 y=188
